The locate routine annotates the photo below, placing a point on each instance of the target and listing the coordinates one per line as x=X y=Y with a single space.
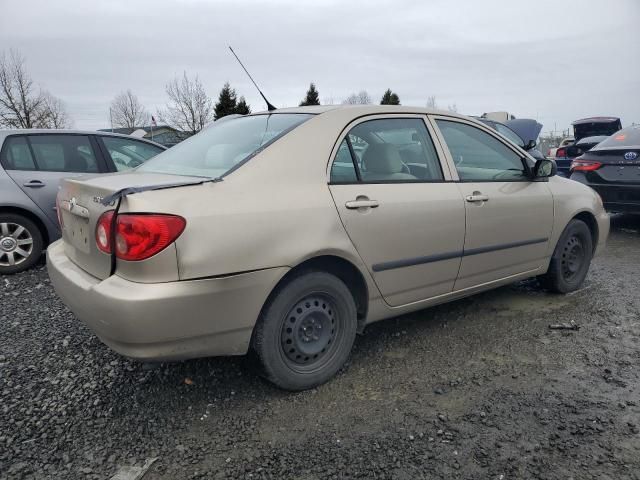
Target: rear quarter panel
x=12 y=197
x=274 y=211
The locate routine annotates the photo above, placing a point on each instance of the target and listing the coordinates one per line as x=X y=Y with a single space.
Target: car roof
x=358 y=110
x=38 y=131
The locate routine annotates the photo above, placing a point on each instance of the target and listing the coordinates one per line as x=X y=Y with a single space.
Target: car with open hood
x=587 y=133
x=284 y=233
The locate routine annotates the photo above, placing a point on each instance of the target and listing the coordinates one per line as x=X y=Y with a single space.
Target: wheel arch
x=591 y=222
x=31 y=216
x=342 y=268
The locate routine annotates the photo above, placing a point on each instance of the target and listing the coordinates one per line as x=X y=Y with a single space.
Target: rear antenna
x=269 y=106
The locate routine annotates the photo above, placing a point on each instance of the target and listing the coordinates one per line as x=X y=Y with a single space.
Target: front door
x=404 y=219
x=509 y=217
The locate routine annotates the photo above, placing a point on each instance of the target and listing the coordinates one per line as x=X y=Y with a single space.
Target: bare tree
x=127 y=111
x=22 y=104
x=189 y=108
x=453 y=108
x=53 y=113
x=360 y=98
x=431 y=102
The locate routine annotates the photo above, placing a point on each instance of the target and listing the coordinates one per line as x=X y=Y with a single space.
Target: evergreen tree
x=242 y=108
x=227 y=103
x=312 y=97
x=390 y=98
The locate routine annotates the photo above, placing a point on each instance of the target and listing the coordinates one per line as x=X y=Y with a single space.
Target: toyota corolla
x=286 y=232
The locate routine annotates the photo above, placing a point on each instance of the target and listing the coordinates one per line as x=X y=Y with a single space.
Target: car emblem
x=72 y=203
x=630 y=156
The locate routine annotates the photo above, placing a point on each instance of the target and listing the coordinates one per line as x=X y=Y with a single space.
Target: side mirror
x=545 y=168
x=531 y=144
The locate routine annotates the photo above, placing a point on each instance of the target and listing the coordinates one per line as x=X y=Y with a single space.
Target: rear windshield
x=626 y=138
x=217 y=150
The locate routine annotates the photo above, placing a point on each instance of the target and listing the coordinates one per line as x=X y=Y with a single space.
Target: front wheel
x=306 y=331
x=20 y=243
x=571 y=259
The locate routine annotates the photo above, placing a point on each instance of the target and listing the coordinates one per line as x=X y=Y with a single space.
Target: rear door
x=38 y=162
x=509 y=218
x=403 y=215
x=124 y=154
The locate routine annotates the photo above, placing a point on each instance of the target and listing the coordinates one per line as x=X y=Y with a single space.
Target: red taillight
x=103 y=231
x=584 y=165
x=561 y=152
x=138 y=235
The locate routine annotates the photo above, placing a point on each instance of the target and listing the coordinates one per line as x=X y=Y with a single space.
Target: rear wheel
x=571 y=259
x=306 y=331
x=20 y=243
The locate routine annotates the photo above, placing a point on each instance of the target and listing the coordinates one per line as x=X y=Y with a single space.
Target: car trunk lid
x=81 y=202
x=618 y=166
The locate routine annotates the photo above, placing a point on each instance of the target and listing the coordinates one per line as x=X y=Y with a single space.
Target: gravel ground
x=479 y=388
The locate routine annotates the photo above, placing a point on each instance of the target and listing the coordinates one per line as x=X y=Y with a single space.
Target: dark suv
x=32 y=164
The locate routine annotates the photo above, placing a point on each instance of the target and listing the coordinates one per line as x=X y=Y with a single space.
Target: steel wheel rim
x=16 y=244
x=573 y=256
x=309 y=332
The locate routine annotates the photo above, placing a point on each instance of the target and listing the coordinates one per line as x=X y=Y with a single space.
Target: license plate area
x=77 y=231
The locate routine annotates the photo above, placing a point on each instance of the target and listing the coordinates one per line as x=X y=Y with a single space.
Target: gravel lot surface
x=479 y=388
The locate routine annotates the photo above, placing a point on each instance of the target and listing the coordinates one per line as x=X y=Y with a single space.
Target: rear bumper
x=618 y=198
x=164 y=321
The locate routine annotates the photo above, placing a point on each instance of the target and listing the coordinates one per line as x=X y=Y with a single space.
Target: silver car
x=287 y=232
x=32 y=163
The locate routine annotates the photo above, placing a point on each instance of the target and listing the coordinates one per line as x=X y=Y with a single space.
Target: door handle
x=33 y=184
x=477 y=197
x=354 y=204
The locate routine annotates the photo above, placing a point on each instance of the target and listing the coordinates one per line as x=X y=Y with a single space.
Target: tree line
x=188 y=109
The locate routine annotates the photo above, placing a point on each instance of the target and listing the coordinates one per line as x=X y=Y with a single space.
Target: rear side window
x=63 y=153
x=387 y=150
x=127 y=154
x=16 y=155
x=479 y=156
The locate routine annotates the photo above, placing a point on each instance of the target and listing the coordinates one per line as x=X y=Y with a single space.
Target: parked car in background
x=32 y=163
x=612 y=168
x=523 y=132
x=270 y=232
x=585 y=129
x=565 y=142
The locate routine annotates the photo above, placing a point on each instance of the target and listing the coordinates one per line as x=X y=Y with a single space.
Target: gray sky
x=555 y=60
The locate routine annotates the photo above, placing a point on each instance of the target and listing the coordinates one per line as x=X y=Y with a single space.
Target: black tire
x=571 y=259
x=8 y=243
x=306 y=331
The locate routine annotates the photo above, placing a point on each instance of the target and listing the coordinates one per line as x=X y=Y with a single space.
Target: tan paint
x=277 y=211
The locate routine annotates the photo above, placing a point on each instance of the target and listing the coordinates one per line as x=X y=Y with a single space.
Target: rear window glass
x=625 y=138
x=217 y=150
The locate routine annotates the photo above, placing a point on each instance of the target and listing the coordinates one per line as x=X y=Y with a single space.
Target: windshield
x=216 y=151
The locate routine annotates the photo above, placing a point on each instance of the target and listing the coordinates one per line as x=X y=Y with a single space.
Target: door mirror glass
x=544 y=169
x=531 y=144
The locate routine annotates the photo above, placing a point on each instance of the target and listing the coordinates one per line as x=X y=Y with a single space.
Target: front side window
x=390 y=150
x=217 y=150
x=479 y=156
x=63 y=153
x=16 y=154
x=127 y=154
